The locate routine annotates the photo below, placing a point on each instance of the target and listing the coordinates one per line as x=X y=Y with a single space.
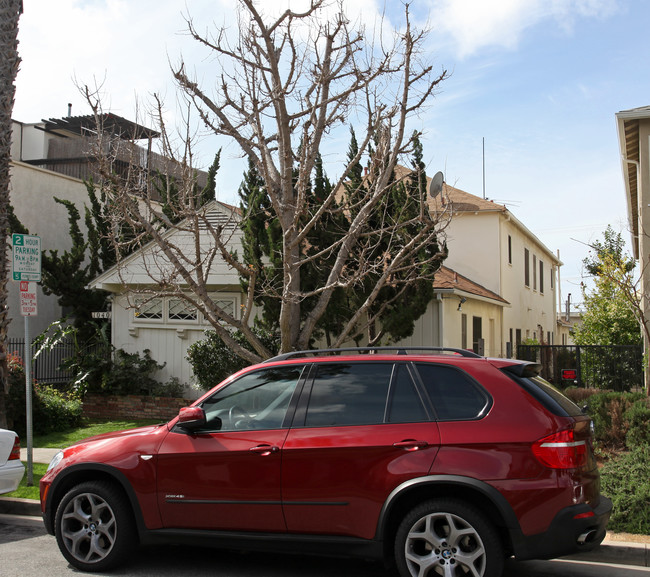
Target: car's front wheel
x=94 y=526
x=448 y=537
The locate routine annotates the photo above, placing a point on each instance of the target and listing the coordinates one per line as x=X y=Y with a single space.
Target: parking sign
x=26 y=262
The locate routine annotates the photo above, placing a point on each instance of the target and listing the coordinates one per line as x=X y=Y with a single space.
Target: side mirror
x=191 y=418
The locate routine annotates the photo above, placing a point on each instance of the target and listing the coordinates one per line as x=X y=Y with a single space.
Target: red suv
x=441 y=463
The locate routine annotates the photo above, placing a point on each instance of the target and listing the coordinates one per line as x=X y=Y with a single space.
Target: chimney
x=69 y=109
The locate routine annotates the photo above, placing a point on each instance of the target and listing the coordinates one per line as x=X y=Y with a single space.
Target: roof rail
x=371 y=351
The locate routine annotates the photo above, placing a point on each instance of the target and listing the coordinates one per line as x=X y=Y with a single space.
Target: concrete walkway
x=38 y=455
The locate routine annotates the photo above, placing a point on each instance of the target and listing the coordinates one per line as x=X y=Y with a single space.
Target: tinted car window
x=348 y=394
x=548 y=395
x=453 y=393
x=257 y=400
x=405 y=403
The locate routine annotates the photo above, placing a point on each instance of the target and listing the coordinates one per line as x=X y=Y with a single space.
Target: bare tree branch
x=284 y=86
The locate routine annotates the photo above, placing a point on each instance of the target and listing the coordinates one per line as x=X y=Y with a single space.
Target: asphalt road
x=27 y=551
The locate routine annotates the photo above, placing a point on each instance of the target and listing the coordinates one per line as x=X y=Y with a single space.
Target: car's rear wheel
x=448 y=537
x=94 y=526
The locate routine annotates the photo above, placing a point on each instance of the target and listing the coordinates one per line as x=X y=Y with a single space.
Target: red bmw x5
x=439 y=463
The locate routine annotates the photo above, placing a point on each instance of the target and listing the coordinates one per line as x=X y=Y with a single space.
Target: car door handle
x=410 y=444
x=265 y=450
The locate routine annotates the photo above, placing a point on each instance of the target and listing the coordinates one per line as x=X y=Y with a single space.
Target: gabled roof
x=462 y=201
x=217 y=213
x=456 y=201
x=447 y=279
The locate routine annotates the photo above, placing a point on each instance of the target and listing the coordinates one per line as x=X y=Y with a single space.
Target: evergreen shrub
x=212 y=360
x=637 y=418
x=608 y=410
x=624 y=479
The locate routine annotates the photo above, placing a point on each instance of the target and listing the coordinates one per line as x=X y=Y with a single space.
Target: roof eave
x=627 y=128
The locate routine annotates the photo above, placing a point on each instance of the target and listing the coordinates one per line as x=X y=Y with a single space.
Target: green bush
x=607 y=410
x=637 y=418
x=579 y=395
x=55 y=410
x=52 y=410
x=129 y=374
x=625 y=480
x=172 y=388
x=212 y=361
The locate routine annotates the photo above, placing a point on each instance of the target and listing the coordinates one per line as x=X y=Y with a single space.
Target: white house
x=168 y=325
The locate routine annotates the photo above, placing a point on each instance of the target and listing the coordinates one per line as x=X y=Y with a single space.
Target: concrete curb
x=14 y=510
x=23 y=507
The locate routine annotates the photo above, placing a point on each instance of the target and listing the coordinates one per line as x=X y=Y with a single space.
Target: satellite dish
x=436 y=184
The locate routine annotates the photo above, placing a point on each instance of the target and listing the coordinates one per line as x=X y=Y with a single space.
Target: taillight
x=15 y=451
x=561 y=451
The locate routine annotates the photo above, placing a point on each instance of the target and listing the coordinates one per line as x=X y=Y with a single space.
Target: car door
x=227 y=474
x=361 y=430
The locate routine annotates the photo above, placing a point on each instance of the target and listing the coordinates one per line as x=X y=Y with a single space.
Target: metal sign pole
x=28 y=403
x=26 y=267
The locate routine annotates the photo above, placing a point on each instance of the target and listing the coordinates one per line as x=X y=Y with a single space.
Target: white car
x=11 y=469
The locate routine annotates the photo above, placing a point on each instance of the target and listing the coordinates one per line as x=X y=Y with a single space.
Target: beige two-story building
x=508 y=280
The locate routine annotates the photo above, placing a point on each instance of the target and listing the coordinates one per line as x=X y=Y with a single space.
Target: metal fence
x=46 y=367
x=613 y=367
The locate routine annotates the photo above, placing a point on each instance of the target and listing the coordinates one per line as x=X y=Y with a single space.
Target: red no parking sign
x=28 y=306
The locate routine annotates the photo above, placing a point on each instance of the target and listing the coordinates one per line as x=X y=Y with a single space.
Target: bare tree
x=284 y=85
x=10 y=11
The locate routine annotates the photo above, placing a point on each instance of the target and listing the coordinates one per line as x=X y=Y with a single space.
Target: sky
x=527 y=114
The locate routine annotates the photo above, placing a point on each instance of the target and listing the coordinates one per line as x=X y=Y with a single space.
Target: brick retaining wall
x=132 y=407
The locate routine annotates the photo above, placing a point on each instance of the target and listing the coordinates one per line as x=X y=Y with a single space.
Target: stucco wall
x=532 y=306
x=31 y=192
x=474 y=248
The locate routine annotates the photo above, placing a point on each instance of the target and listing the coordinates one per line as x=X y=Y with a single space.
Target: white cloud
x=473 y=25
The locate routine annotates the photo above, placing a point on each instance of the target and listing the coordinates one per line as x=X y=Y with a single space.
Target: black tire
x=94 y=526
x=448 y=537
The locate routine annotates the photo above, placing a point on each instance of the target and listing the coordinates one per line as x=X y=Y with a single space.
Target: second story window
x=526 y=267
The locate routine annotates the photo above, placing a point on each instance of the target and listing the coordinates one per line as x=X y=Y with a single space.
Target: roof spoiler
x=524 y=369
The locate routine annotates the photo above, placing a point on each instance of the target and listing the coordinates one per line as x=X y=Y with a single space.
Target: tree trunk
x=10 y=11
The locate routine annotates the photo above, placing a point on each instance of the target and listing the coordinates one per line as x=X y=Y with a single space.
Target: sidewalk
x=617 y=549
x=38 y=455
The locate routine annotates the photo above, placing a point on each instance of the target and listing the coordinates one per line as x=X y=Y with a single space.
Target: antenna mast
x=484 y=168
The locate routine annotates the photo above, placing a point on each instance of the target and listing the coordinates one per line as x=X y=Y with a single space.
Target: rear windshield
x=548 y=395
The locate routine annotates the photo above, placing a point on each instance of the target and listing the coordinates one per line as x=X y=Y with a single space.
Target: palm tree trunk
x=10 y=11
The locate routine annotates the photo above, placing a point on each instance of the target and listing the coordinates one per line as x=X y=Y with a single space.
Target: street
x=27 y=551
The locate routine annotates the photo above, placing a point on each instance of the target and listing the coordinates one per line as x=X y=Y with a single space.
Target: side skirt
x=329 y=545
